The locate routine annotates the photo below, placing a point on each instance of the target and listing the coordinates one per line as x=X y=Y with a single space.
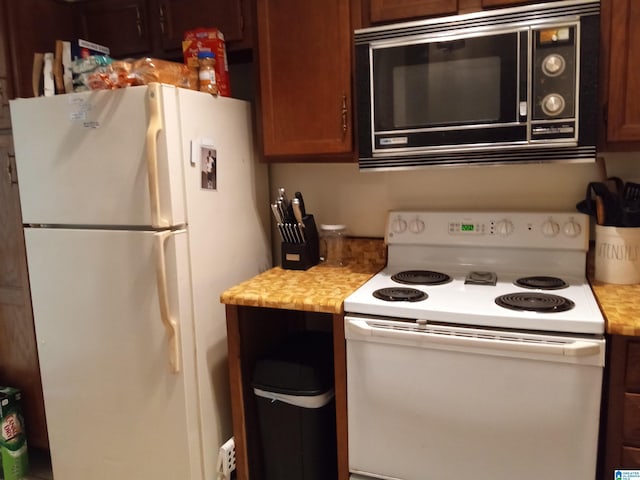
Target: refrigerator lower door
x=114 y=407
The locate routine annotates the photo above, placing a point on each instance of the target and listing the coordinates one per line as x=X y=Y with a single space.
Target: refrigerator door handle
x=171 y=325
x=153 y=130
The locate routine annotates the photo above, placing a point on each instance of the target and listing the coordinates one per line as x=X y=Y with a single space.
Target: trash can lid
x=301 y=365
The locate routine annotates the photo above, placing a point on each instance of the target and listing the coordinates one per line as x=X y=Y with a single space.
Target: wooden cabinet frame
x=251 y=333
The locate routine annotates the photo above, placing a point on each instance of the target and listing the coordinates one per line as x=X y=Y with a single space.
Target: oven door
x=447 y=91
x=451 y=402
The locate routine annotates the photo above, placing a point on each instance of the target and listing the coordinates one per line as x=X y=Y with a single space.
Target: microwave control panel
x=554 y=79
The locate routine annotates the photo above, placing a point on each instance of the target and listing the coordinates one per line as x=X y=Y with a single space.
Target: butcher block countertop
x=323 y=289
x=319 y=289
x=620 y=305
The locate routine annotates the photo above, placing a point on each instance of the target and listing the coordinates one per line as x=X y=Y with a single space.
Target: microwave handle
x=525 y=76
x=523 y=107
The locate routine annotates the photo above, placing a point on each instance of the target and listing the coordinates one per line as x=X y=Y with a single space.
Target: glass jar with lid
x=332 y=244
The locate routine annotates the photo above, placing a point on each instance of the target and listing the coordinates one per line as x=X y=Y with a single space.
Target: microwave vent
x=579 y=154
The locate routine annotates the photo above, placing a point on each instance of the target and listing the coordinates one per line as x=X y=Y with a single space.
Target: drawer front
x=631 y=427
x=632 y=377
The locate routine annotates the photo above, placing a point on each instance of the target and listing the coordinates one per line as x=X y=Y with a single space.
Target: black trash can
x=294 y=392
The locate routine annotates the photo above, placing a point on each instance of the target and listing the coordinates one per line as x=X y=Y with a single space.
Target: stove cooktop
x=458 y=302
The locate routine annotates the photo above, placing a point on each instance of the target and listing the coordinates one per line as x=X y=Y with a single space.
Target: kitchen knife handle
x=297 y=212
x=170 y=325
x=303 y=210
x=153 y=130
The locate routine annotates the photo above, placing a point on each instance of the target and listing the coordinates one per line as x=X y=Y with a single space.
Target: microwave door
x=450 y=92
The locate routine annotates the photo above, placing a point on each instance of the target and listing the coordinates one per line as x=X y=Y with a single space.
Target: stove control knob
x=550 y=228
x=416 y=225
x=572 y=228
x=505 y=227
x=398 y=225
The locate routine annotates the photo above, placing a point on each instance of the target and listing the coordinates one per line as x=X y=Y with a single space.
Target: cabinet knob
x=161 y=10
x=139 y=22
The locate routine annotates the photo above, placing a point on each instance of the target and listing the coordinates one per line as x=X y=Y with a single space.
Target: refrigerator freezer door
x=114 y=408
x=90 y=153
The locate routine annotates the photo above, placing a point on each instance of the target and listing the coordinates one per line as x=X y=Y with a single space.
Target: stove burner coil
x=421 y=277
x=541 y=282
x=396 y=294
x=535 y=302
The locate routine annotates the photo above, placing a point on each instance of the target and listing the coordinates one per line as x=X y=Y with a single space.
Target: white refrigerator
x=140 y=207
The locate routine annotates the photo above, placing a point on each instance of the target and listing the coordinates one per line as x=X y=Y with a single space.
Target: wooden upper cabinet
x=385 y=11
x=157 y=27
x=33 y=26
x=304 y=56
x=229 y=16
x=621 y=45
x=121 y=25
x=389 y=10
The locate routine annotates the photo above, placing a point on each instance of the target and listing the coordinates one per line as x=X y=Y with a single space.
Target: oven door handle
x=414 y=336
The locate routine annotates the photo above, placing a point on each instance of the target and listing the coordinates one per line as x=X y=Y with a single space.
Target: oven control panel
x=557 y=230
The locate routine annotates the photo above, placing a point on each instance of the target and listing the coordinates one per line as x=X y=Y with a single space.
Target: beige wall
x=339 y=193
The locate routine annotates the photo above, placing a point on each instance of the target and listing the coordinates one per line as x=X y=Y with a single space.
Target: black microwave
x=510 y=85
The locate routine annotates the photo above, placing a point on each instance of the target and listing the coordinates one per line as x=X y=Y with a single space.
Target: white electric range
x=477 y=352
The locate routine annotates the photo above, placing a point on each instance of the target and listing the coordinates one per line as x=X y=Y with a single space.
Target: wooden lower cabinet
x=631 y=457
x=251 y=333
x=622 y=400
x=19 y=365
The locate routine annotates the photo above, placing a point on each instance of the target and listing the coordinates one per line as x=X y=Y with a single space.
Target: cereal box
x=208 y=40
x=14 y=461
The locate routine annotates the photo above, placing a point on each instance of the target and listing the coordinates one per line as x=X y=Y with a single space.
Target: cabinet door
x=33 y=26
x=121 y=25
x=387 y=10
x=623 y=108
x=631 y=427
x=18 y=349
x=630 y=457
x=632 y=374
x=5 y=119
x=178 y=16
x=304 y=54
